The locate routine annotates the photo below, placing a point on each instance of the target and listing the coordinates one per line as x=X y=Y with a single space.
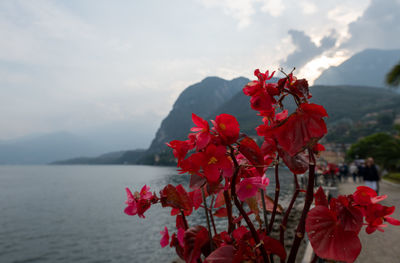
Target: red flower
x=145 y=193
x=365 y=195
x=214 y=161
x=248 y=187
x=239 y=232
x=376 y=214
x=131 y=209
x=142 y=206
x=262 y=93
x=227 y=127
x=202 y=130
x=180 y=148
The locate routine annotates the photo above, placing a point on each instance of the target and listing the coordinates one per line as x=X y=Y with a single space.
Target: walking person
x=371 y=177
x=353 y=171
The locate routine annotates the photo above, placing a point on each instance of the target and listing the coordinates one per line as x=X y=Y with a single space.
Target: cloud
x=241 y=10
x=273 y=7
x=378 y=27
x=306 y=49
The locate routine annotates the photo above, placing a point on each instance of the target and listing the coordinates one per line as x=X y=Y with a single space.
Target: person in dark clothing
x=370 y=173
x=343 y=171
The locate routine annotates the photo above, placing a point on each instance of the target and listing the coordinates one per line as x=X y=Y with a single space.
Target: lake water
x=75 y=214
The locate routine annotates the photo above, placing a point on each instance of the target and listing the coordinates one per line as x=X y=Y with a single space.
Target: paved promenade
x=379 y=247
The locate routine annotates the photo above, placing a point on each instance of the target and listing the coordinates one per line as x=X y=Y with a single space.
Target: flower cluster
x=333 y=228
x=139 y=203
x=228 y=168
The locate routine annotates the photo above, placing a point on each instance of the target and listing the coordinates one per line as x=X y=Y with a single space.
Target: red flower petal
x=165 y=237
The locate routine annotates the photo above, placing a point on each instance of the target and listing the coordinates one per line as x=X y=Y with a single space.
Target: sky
x=87 y=65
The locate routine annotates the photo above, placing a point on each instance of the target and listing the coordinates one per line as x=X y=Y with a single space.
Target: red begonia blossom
x=164 y=237
x=262 y=93
x=215 y=162
x=145 y=193
x=227 y=127
x=142 y=206
x=248 y=187
x=131 y=209
x=376 y=215
x=180 y=148
x=239 y=232
x=202 y=129
x=365 y=195
x=318 y=148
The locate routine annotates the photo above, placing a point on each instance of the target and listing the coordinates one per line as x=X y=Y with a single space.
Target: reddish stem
x=208 y=219
x=287 y=213
x=243 y=213
x=228 y=203
x=307 y=203
x=185 y=223
x=262 y=192
x=277 y=190
x=211 y=216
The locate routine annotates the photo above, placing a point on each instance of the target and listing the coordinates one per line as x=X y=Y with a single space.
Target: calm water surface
x=75 y=214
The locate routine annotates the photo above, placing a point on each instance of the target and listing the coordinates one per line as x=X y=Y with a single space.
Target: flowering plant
x=229 y=168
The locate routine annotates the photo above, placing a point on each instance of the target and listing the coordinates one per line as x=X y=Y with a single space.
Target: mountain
x=202 y=99
x=345 y=104
x=45 y=148
x=120 y=157
x=366 y=68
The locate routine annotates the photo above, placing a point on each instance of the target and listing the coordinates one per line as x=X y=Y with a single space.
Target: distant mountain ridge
x=347 y=105
x=366 y=68
x=46 y=148
x=202 y=98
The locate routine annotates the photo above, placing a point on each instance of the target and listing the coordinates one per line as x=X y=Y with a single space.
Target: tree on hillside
x=393 y=77
x=384 y=148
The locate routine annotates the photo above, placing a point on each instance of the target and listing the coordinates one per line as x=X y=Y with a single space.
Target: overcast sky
x=79 y=64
